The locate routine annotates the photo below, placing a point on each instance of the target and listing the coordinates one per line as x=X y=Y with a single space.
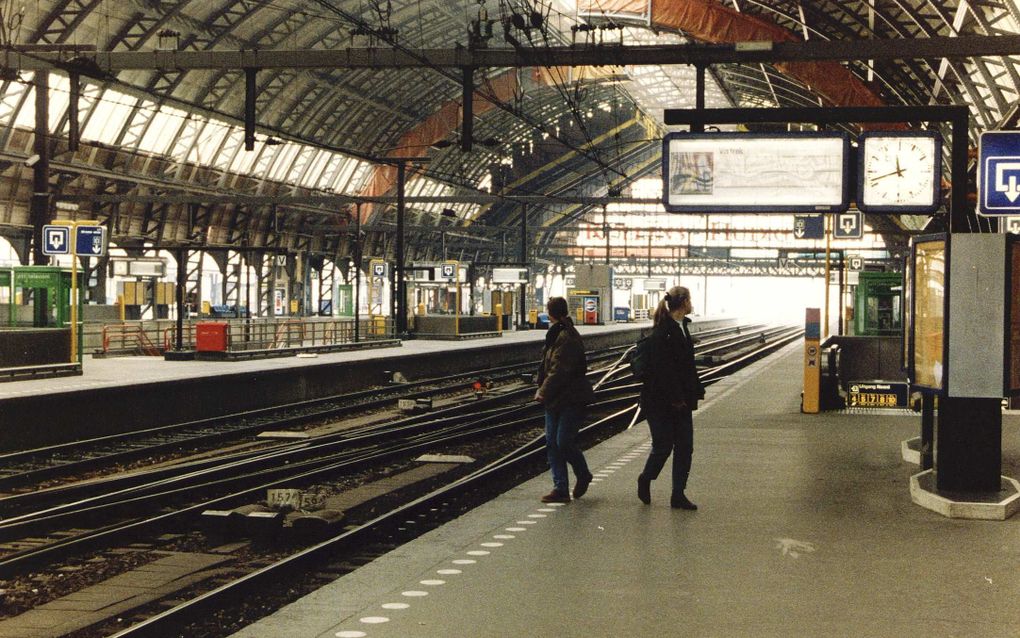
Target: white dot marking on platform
x=525 y=522
x=350 y=634
x=395 y=606
x=516 y=529
x=432 y=582
x=478 y=552
x=554 y=505
x=596 y=480
x=491 y=544
x=503 y=537
x=545 y=509
x=448 y=572
x=536 y=515
x=414 y=593
x=374 y=620
x=464 y=561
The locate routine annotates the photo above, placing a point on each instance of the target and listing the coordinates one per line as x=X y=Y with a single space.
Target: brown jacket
x=561 y=377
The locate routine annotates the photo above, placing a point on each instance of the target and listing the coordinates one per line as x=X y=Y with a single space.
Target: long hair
x=672 y=300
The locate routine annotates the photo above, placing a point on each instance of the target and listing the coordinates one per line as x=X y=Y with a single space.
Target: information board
x=730 y=172
x=929 y=270
x=877 y=394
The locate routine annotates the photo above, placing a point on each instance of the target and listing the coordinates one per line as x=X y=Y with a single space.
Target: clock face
x=899 y=172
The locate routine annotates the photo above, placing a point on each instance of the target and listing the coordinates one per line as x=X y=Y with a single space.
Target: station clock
x=899 y=172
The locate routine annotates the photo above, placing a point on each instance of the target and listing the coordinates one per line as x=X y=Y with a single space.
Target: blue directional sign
x=56 y=240
x=999 y=173
x=90 y=241
x=848 y=226
x=809 y=226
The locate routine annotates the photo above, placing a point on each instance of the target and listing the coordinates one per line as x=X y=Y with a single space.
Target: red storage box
x=211 y=336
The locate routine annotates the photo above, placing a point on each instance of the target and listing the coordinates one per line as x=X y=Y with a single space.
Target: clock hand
x=897 y=172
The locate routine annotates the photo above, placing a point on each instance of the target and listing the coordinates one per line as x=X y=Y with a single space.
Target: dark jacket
x=561 y=377
x=672 y=377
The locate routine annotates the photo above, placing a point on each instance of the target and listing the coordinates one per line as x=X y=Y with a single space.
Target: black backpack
x=638 y=358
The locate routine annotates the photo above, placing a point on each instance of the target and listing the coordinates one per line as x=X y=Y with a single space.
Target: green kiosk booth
x=35 y=317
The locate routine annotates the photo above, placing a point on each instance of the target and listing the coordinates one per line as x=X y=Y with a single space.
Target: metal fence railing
x=262 y=333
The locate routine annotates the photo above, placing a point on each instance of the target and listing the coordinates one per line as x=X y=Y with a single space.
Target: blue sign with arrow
x=999 y=173
x=56 y=240
x=848 y=226
x=89 y=241
x=809 y=226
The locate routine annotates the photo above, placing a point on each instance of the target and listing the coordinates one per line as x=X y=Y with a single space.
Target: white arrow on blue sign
x=848 y=226
x=999 y=173
x=90 y=241
x=809 y=226
x=56 y=240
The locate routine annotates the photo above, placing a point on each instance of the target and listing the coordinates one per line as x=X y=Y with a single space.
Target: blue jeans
x=561 y=427
x=672 y=432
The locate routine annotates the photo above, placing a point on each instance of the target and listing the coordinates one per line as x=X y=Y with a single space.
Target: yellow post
x=811 y=404
x=498 y=311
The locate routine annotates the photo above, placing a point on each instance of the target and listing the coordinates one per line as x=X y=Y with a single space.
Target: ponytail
x=672 y=300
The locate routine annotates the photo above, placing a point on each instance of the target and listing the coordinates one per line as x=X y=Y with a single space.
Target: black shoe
x=644 y=490
x=682 y=502
x=582 y=485
x=556 y=497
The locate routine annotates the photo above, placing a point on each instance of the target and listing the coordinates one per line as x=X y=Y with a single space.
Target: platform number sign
x=856 y=263
x=56 y=240
x=378 y=270
x=448 y=271
x=999 y=173
x=1012 y=225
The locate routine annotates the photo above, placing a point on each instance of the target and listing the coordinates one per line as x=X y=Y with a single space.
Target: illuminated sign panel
x=743 y=172
x=929 y=270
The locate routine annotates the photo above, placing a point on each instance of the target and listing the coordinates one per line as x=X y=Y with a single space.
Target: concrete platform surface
x=124 y=371
x=805 y=528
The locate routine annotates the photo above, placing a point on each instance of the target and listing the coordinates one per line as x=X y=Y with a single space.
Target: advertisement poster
x=1014 y=318
x=929 y=311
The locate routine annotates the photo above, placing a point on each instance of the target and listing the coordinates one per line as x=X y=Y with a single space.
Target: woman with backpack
x=669 y=394
x=564 y=391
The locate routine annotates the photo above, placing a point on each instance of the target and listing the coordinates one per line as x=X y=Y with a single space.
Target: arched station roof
x=165 y=143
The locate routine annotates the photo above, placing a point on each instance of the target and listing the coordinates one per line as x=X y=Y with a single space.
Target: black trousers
x=672 y=433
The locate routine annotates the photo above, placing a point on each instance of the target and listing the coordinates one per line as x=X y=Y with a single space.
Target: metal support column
x=524 y=260
x=398 y=288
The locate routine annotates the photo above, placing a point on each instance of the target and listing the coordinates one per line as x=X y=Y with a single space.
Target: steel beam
x=98 y=62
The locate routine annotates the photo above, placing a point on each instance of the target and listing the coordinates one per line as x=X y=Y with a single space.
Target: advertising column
x=812 y=358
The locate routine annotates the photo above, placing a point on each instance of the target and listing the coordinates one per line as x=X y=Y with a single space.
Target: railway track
x=73 y=519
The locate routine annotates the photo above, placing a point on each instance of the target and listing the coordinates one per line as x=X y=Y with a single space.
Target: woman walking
x=564 y=391
x=669 y=395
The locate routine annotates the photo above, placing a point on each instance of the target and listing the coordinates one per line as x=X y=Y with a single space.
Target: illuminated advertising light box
x=748 y=172
x=964 y=328
x=928 y=258
x=1013 y=316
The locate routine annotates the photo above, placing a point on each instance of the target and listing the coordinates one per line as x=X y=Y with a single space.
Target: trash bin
x=211 y=336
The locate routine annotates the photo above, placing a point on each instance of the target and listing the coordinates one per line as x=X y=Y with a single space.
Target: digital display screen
x=726 y=172
x=929 y=313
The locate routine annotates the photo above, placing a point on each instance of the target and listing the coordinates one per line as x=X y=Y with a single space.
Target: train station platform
x=125 y=393
x=805 y=528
